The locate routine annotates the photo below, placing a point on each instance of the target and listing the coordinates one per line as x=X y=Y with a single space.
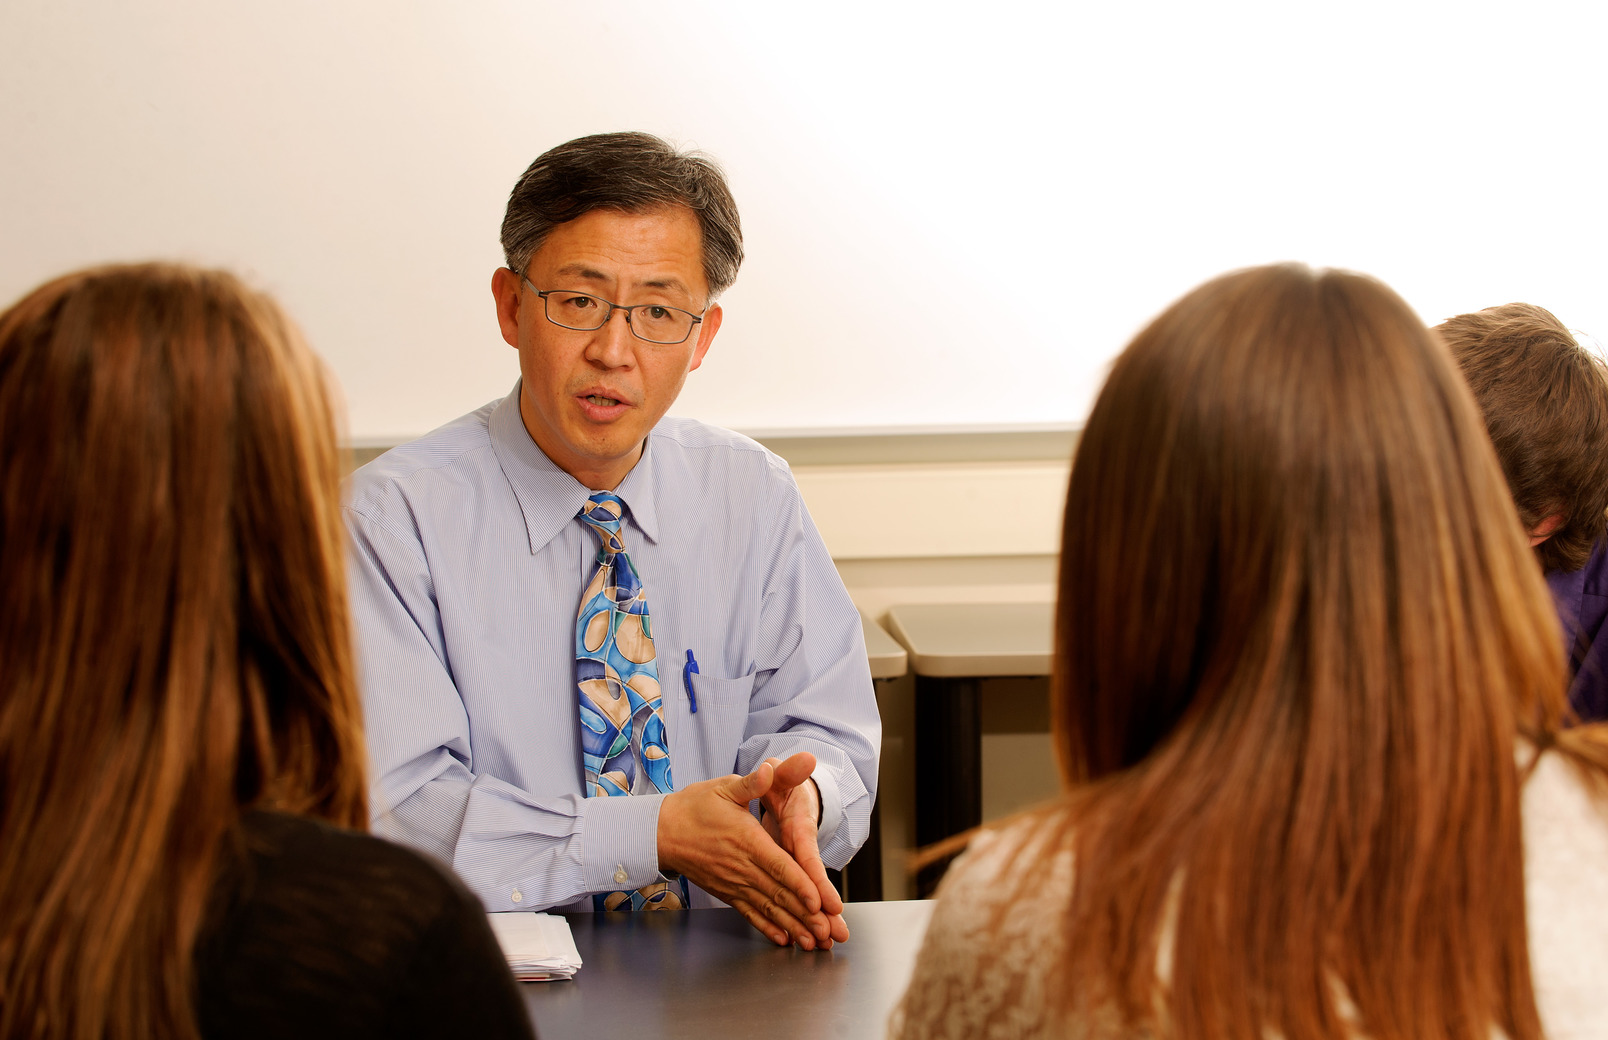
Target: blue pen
x=686 y=679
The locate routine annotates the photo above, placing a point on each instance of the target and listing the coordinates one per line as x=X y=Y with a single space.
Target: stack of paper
x=539 y=947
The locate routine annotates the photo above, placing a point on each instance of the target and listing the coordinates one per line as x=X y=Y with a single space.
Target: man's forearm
x=515 y=856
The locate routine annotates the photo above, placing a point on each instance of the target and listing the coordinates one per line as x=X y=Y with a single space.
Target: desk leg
x=949 y=765
x=864 y=872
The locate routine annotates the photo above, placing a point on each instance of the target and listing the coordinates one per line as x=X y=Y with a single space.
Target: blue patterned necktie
x=623 y=744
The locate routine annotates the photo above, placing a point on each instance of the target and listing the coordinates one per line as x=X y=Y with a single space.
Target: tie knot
x=603 y=513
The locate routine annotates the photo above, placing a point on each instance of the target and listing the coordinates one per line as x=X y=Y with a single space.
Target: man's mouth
x=602 y=402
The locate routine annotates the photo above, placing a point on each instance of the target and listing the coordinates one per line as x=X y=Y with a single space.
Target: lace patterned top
x=972 y=981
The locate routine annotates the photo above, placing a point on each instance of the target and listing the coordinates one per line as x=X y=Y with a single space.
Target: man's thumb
x=745 y=789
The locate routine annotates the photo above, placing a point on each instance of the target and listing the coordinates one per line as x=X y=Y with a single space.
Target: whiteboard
x=955 y=214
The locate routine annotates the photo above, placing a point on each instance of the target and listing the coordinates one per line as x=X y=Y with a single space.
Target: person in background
x=1308 y=703
x=181 y=751
x=578 y=619
x=1545 y=402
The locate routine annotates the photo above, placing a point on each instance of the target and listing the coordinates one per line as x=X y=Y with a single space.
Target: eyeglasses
x=583 y=312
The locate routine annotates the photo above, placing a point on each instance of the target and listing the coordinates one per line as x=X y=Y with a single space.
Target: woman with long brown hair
x=181 y=752
x=1307 y=703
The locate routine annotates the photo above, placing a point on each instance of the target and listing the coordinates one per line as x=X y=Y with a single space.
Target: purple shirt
x=1582 y=599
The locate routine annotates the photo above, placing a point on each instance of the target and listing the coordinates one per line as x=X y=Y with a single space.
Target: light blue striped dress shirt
x=467 y=569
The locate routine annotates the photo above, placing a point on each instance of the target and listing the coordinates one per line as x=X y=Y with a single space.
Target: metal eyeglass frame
x=697 y=319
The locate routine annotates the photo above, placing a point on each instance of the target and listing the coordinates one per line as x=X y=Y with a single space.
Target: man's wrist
x=831 y=816
x=621 y=842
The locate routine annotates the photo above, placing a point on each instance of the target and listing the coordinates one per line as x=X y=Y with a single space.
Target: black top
x=315 y=931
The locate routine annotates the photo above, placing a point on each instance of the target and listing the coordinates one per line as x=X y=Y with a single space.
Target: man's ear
x=1545 y=529
x=706 y=334
x=505 y=289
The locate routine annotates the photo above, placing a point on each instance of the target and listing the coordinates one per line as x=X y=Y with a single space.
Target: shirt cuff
x=620 y=848
x=831 y=805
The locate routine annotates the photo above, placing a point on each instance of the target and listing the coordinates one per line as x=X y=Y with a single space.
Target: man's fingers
x=707 y=834
x=787 y=775
x=831 y=902
x=780 y=926
x=794 y=770
x=762 y=924
x=794 y=880
x=772 y=884
x=801 y=839
x=767 y=894
x=744 y=789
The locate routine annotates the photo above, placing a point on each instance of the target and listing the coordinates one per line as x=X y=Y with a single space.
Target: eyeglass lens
x=652 y=322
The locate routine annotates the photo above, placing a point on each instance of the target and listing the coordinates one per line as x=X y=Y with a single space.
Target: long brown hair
x=173 y=635
x=1298 y=636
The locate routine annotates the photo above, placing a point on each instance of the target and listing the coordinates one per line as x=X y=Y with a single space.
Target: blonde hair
x=173 y=636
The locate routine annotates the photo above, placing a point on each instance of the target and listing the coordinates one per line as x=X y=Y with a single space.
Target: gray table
x=707 y=975
x=953 y=647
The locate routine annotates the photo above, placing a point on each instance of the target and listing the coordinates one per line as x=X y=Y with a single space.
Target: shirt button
x=518 y=896
x=620 y=876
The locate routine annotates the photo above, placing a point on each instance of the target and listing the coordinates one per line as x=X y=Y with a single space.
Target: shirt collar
x=548 y=497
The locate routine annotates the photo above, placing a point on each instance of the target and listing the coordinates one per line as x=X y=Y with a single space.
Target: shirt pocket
x=714 y=732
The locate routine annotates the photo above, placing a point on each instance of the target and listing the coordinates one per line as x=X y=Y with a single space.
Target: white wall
x=955 y=213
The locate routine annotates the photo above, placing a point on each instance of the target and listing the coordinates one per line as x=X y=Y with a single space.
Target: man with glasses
x=577 y=619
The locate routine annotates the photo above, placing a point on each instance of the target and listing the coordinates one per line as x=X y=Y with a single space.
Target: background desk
x=707 y=975
x=952 y=647
x=884 y=653
x=863 y=875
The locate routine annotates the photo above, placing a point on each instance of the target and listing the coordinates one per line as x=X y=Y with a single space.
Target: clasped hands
x=771 y=872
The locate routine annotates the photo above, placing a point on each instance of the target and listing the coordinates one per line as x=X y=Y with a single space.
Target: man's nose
x=613 y=345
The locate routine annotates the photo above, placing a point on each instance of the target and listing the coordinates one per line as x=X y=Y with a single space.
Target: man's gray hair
x=633 y=172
